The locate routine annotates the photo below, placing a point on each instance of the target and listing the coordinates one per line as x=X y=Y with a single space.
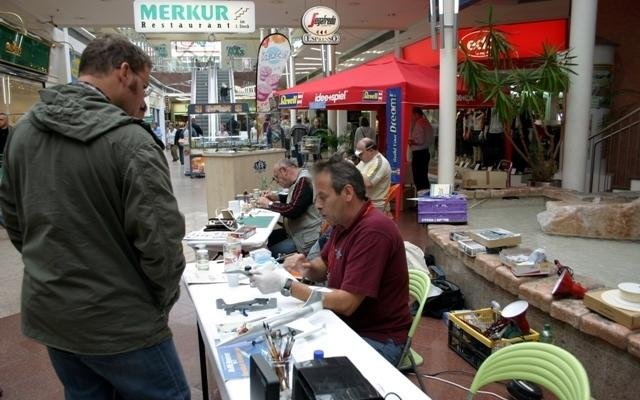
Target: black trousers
x=420 y=168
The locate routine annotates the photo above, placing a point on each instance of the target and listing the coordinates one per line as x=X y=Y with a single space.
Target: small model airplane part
x=259 y=303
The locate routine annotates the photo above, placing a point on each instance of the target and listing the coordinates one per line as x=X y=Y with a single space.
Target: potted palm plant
x=517 y=92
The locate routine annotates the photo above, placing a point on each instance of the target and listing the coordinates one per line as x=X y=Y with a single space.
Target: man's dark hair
x=298 y=120
x=108 y=52
x=343 y=173
x=418 y=111
x=364 y=122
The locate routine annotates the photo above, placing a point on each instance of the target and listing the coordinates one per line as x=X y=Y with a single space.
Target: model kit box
x=449 y=209
x=593 y=301
x=471 y=248
x=512 y=258
x=495 y=237
x=243 y=232
x=472 y=179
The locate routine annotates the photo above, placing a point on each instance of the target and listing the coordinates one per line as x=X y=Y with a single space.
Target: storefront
x=24 y=63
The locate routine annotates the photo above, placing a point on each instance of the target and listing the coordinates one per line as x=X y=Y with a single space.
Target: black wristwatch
x=286 y=288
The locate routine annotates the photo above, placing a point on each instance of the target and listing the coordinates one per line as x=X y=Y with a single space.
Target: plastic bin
x=433 y=210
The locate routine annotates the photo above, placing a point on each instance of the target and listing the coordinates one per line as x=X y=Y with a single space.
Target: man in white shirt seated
x=375 y=170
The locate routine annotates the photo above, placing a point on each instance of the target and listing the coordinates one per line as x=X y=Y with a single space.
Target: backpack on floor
x=451 y=297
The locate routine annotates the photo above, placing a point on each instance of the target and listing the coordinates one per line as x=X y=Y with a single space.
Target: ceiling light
x=316 y=64
x=312 y=58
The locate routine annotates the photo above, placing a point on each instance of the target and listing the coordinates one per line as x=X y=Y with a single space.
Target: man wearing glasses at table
x=301 y=218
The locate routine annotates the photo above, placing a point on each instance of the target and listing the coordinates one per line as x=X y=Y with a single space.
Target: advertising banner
x=394 y=139
x=273 y=55
x=197 y=16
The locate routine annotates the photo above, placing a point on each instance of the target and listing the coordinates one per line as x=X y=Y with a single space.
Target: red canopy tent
x=388 y=82
x=364 y=87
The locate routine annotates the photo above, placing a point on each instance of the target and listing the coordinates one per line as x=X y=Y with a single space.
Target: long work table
x=326 y=332
x=264 y=221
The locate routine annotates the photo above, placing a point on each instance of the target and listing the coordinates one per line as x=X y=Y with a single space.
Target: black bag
x=451 y=298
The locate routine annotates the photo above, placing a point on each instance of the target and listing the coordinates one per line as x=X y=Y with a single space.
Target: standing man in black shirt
x=5 y=130
x=197 y=130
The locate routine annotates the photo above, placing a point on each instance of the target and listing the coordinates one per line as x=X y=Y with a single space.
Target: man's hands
x=267 y=197
x=269 y=279
x=297 y=263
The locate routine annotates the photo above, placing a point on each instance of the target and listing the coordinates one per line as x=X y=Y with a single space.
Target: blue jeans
x=154 y=373
x=389 y=349
x=280 y=243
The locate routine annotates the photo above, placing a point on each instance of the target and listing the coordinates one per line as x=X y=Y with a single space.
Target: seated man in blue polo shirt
x=363 y=262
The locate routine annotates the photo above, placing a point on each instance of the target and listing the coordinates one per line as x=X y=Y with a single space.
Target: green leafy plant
x=516 y=92
x=329 y=140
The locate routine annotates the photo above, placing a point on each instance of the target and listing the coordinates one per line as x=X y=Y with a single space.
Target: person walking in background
x=298 y=131
x=266 y=130
x=5 y=131
x=196 y=129
x=179 y=141
x=103 y=257
x=419 y=141
x=171 y=138
x=364 y=131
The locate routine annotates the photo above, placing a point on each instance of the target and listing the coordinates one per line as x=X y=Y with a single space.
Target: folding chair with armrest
x=419 y=284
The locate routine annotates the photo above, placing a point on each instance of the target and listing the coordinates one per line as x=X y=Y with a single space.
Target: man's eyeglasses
x=146 y=87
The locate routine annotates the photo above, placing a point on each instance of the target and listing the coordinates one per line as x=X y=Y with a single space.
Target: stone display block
x=595 y=220
x=569 y=311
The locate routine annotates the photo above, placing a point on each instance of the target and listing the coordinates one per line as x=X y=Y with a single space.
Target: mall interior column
x=341 y=122
x=582 y=35
x=291 y=81
x=447 y=111
x=213 y=96
x=329 y=64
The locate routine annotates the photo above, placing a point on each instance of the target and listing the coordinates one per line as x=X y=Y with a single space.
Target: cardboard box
x=472 y=179
x=495 y=237
x=593 y=301
x=523 y=268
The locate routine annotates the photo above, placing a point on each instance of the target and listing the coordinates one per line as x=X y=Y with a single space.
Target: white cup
x=236 y=207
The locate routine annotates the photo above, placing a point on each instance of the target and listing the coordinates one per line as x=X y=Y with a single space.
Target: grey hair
x=287 y=163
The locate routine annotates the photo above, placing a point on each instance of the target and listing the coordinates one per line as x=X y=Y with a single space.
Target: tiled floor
x=25 y=371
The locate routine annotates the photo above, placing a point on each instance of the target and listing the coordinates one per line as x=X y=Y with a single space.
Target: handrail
x=614 y=123
x=608 y=132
